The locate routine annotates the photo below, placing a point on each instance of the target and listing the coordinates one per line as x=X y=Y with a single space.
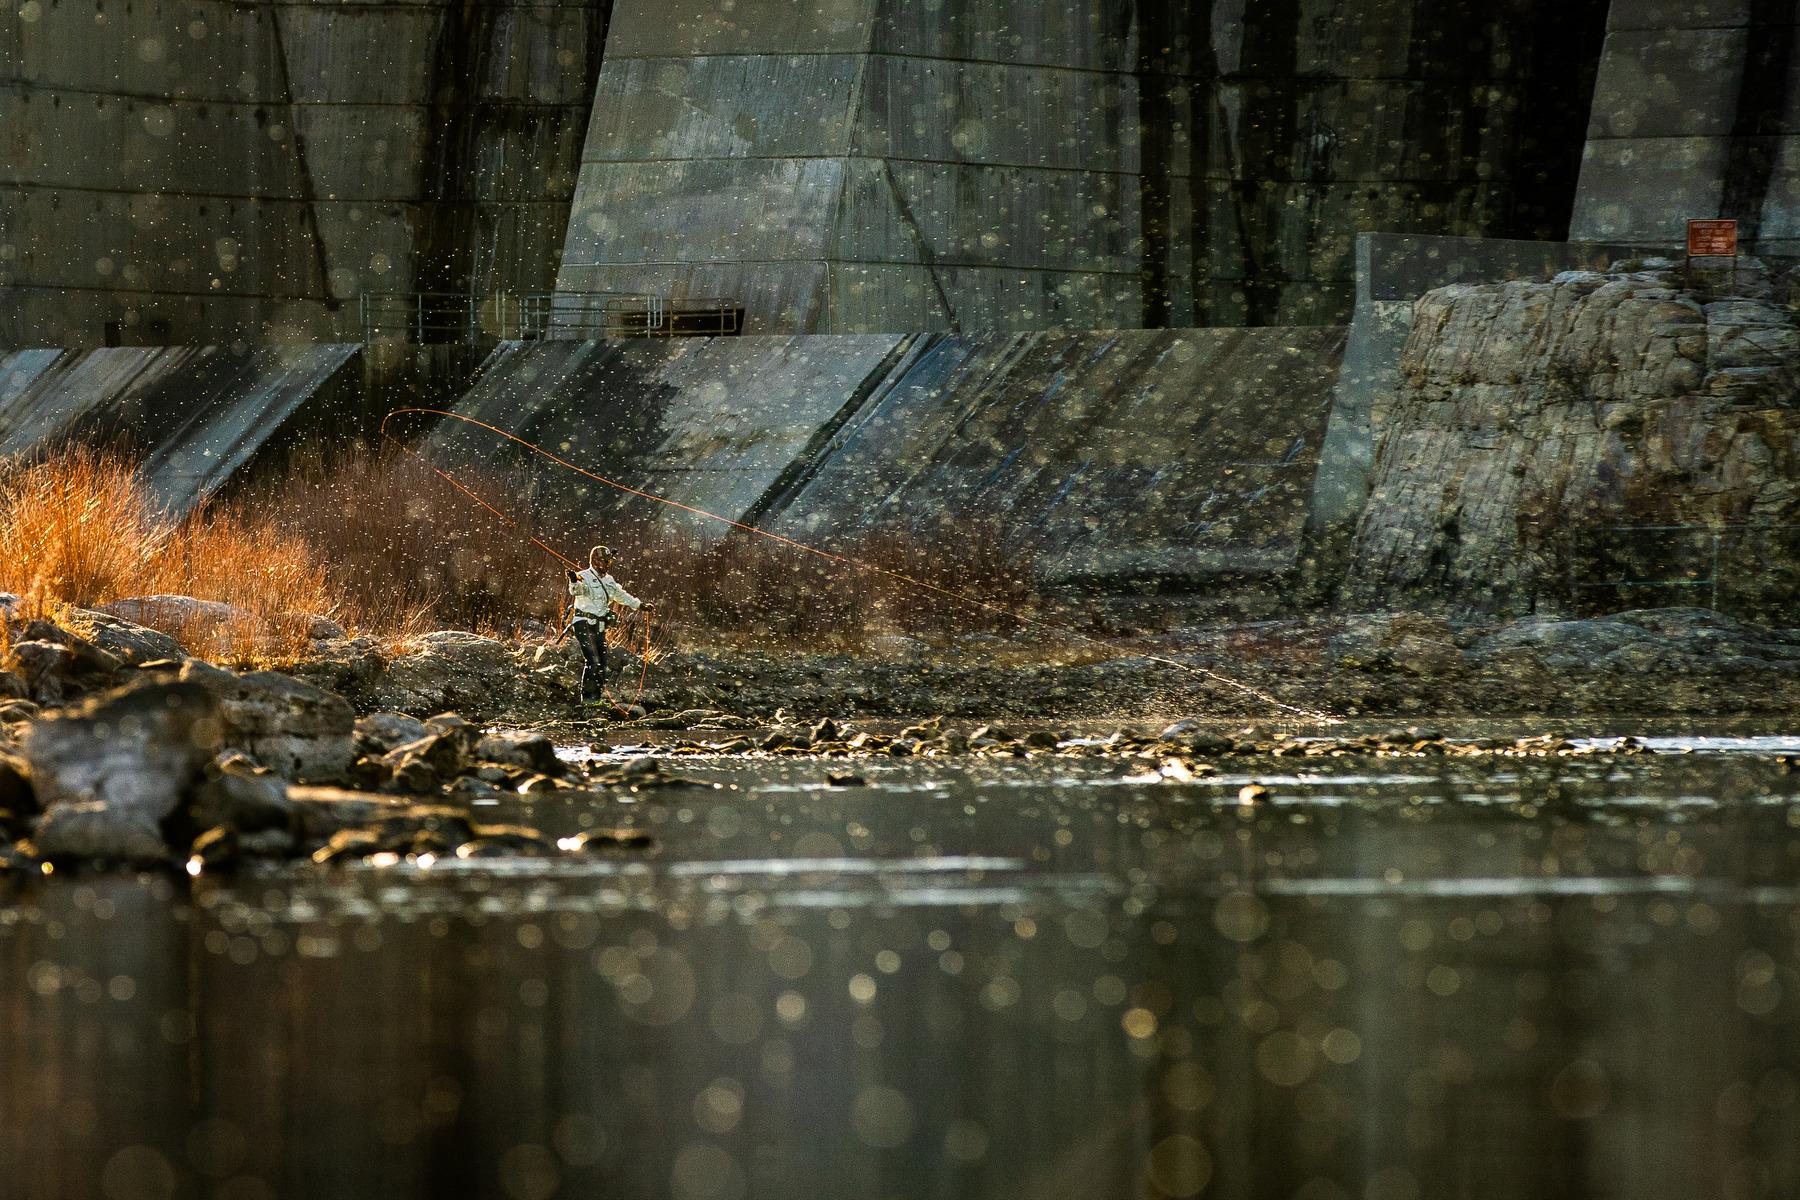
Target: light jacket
x=595 y=594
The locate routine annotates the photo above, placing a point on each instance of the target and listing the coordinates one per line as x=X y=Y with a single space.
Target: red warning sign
x=1712 y=239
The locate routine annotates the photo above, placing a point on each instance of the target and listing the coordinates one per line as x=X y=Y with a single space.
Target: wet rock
x=137 y=751
x=323 y=813
x=1042 y=739
x=214 y=850
x=98 y=831
x=924 y=730
x=597 y=841
x=1252 y=793
x=378 y=733
x=412 y=775
x=644 y=766
x=351 y=845
x=12 y=686
x=533 y=751
x=505 y=841
x=827 y=730
x=436 y=758
x=301 y=732
x=845 y=779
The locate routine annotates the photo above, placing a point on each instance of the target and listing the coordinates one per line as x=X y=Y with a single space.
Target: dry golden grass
x=77 y=529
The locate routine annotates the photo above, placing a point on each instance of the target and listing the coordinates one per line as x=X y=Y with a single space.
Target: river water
x=1394 y=980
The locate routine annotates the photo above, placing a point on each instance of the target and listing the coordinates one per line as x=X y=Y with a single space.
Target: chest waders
x=590 y=635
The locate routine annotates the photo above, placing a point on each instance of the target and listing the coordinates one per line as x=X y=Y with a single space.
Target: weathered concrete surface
x=887 y=165
x=1177 y=453
x=197 y=413
x=1536 y=418
x=711 y=422
x=1696 y=114
x=181 y=175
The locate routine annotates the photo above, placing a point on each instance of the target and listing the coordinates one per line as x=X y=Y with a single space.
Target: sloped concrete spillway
x=1184 y=454
x=196 y=413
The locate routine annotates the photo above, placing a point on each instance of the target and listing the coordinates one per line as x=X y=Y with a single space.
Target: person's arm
x=619 y=595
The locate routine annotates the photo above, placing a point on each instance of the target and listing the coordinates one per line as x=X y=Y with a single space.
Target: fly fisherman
x=596 y=593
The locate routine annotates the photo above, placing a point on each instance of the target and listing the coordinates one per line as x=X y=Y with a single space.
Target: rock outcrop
x=299 y=731
x=1547 y=434
x=110 y=771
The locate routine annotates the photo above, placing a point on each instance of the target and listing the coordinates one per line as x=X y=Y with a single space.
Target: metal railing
x=1654 y=557
x=452 y=317
x=622 y=315
x=438 y=317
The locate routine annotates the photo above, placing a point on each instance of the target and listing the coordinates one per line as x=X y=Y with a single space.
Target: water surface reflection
x=1396 y=980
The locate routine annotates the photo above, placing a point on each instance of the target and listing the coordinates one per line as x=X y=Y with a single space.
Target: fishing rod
x=841 y=559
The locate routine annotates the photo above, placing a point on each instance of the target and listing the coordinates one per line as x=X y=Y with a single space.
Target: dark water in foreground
x=1399 y=980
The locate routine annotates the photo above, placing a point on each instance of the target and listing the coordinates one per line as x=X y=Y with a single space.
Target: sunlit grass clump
x=78 y=529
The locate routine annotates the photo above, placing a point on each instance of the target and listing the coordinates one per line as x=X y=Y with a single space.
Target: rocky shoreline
x=115 y=747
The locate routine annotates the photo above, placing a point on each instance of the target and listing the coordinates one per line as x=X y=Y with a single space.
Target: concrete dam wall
x=182 y=173
x=891 y=166
x=1180 y=456
x=195 y=414
x=1696 y=114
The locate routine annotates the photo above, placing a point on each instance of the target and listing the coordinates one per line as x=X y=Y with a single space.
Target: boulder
x=98 y=831
x=58 y=666
x=125 y=640
x=301 y=732
x=348 y=666
x=47 y=670
x=129 y=758
x=448 y=669
x=532 y=751
x=12 y=686
x=318 y=629
x=238 y=795
x=381 y=732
